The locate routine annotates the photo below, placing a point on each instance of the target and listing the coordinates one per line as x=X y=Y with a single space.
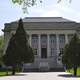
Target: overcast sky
x=10 y=12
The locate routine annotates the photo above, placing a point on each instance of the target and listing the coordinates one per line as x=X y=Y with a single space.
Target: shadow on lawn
x=22 y=74
x=17 y=74
x=68 y=76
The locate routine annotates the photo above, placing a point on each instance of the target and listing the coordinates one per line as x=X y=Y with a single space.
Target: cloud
x=62 y=11
x=56 y=10
x=68 y=12
x=51 y=13
x=47 y=11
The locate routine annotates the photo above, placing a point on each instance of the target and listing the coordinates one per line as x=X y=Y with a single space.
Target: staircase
x=44 y=65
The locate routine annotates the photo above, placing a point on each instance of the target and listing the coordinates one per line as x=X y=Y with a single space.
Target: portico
x=48 y=46
x=47 y=42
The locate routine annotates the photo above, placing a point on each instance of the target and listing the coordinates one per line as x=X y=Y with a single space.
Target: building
x=47 y=36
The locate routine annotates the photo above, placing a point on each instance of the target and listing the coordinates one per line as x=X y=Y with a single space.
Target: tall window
x=35 y=43
x=61 y=41
x=52 y=39
x=52 y=45
x=62 y=38
x=43 y=41
x=53 y=51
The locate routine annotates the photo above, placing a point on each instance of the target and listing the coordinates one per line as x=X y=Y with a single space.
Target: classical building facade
x=47 y=37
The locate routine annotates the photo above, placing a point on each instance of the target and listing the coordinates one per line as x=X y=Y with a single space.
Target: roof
x=44 y=23
x=45 y=19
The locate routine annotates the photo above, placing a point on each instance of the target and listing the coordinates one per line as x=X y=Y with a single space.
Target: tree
x=29 y=3
x=1 y=48
x=71 y=54
x=26 y=3
x=18 y=50
x=22 y=41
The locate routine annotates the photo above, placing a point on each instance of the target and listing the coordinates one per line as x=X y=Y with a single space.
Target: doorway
x=43 y=52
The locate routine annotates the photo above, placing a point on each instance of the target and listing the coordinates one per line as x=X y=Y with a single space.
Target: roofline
x=43 y=21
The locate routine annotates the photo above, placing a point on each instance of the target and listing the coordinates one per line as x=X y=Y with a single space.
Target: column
x=57 y=45
x=30 y=36
x=57 y=40
x=48 y=45
x=39 y=45
x=66 y=39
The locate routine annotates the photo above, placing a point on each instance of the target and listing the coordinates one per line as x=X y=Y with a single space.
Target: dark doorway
x=43 y=52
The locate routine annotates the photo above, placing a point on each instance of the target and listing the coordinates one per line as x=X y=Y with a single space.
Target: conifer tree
x=18 y=50
x=71 y=54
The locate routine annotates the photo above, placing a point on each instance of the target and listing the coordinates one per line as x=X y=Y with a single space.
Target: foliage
x=1 y=44
x=29 y=3
x=26 y=3
x=18 y=50
x=71 y=54
x=1 y=48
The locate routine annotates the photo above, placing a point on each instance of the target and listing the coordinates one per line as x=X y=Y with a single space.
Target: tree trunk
x=7 y=72
x=75 y=70
x=13 y=70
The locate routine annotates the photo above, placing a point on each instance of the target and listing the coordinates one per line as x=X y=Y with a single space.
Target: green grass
x=72 y=71
x=7 y=73
x=4 y=73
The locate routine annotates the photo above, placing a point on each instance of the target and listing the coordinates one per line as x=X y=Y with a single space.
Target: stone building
x=47 y=37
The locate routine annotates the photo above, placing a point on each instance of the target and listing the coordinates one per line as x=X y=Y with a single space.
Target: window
x=52 y=51
x=52 y=39
x=34 y=38
x=34 y=41
x=62 y=38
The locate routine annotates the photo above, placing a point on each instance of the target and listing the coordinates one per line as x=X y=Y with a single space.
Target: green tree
x=71 y=54
x=29 y=3
x=1 y=48
x=18 y=50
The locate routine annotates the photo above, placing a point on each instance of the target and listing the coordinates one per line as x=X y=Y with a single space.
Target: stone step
x=42 y=70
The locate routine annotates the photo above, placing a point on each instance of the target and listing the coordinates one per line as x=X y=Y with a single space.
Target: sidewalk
x=41 y=76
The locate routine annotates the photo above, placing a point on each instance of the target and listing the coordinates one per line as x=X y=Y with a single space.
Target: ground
x=41 y=76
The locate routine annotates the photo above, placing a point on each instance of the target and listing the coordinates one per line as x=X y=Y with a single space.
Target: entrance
x=43 y=52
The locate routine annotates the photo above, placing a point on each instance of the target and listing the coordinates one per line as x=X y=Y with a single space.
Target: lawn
x=4 y=73
x=72 y=71
x=7 y=72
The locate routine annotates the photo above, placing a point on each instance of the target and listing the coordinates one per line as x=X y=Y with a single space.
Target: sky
x=10 y=12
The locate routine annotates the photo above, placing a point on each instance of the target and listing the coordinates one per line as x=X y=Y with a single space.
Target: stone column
x=57 y=40
x=66 y=39
x=30 y=36
x=39 y=45
x=57 y=45
x=48 y=45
